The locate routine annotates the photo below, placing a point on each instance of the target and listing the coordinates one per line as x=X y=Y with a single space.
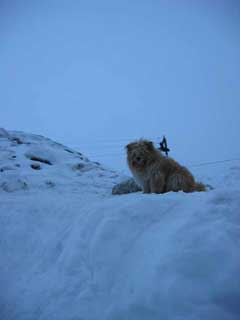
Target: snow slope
x=71 y=250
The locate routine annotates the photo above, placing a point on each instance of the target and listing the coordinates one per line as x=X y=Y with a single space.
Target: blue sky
x=97 y=74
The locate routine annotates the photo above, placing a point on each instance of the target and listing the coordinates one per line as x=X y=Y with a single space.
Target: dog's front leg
x=157 y=183
x=146 y=187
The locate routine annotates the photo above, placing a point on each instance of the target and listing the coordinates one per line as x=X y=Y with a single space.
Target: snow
x=69 y=249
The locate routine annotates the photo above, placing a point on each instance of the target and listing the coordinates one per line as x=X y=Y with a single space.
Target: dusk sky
x=97 y=74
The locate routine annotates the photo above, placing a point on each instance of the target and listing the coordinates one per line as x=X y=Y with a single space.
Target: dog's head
x=138 y=153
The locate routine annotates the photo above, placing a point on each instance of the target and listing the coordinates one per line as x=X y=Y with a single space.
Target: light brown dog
x=155 y=173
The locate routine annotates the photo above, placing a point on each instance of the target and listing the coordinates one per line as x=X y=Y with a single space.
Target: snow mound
x=29 y=162
x=74 y=251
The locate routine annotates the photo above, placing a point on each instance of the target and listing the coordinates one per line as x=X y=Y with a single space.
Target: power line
x=190 y=165
x=114 y=154
x=213 y=162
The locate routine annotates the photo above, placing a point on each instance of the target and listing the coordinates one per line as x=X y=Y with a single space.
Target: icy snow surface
x=71 y=250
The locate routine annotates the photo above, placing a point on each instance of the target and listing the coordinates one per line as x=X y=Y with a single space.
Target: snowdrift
x=69 y=249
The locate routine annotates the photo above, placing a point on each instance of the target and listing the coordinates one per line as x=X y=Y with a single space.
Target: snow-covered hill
x=71 y=250
x=32 y=162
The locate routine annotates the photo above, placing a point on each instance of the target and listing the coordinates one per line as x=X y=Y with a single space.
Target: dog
x=156 y=173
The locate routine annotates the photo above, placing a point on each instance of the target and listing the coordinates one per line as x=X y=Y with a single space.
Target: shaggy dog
x=155 y=173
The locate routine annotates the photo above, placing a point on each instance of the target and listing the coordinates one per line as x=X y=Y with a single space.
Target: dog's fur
x=156 y=173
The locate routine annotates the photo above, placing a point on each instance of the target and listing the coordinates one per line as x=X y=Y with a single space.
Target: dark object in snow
x=127 y=186
x=6 y=168
x=50 y=184
x=209 y=187
x=41 y=160
x=36 y=166
x=78 y=166
x=163 y=146
x=17 y=140
x=5 y=134
x=14 y=185
x=70 y=151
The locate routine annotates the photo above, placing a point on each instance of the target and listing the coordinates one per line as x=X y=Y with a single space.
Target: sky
x=96 y=75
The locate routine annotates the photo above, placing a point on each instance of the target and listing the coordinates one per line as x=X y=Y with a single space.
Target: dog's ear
x=129 y=147
x=149 y=145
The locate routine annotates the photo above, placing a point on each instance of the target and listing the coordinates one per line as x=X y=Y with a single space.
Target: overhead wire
x=110 y=144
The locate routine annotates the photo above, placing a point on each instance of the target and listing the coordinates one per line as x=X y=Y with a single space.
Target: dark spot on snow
x=41 y=160
x=97 y=163
x=50 y=183
x=70 y=151
x=25 y=185
x=17 y=140
x=78 y=166
x=6 y=168
x=17 y=165
x=14 y=157
x=80 y=155
x=209 y=187
x=9 y=186
x=36 y=166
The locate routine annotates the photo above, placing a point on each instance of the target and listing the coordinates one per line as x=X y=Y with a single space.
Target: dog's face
x=138 y=153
